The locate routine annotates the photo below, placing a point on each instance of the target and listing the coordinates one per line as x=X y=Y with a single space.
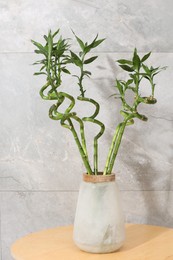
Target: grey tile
x=0 y=230
x=38 y=154
x=147 y=24
x=148 y=207
x=26 y=212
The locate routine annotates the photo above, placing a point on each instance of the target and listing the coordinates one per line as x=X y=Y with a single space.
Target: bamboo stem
x=116 y=143
x=93 y=120
x=82 y=153
x=88 y=119
x=54 y=114
x=111 y=149
x=116 y=147
x=95 y=156
x=43 y=96
x=82 y=132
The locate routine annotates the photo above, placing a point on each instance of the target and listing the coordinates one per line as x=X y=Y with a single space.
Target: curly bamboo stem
x=43 y=96
x=93 y=120
x=54 y=114
x=82 y=153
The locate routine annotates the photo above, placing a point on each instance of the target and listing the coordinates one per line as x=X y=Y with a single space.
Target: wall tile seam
x=35 y=191
x=68 y=191
x=96 y=52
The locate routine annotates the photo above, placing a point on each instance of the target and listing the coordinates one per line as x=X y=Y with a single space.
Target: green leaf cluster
x=80 y=60
x=56 y=58
x=138 y=71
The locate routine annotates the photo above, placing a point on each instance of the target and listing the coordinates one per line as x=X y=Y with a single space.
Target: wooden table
x=142 y=242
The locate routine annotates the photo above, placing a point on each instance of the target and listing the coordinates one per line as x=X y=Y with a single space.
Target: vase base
x=99 y=249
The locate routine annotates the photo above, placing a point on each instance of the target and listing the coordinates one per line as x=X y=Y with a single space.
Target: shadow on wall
x=154 y=185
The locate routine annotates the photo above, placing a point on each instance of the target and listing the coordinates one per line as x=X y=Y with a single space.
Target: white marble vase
x=99 y=222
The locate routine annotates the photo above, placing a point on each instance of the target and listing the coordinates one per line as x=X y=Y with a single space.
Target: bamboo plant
x=57 y=55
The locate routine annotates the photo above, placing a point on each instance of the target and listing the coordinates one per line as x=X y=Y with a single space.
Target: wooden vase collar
x=98 y=178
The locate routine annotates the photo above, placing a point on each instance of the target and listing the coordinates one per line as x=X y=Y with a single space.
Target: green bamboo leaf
x=123 y=61
x=76 y=76
x=158 y=71
x=134 y=77
x=154 y=69
x=117 y=97
x=133 y=89
x=147 y=70
x=87 y=72
x=81 y=43
x=94 y=44
x=39 y=62
x=119 y=86
x=41 y=50
x=87 y=49
x=147 y=77
x=55 y=33
x=127 y=68
x=136 y=60
x=43 y=67
x=145 y=57
x=130 y=81
x=98 y=42
x=90 y=60
x=66 y=71
x=45 y=37
x=39 y=73
x=76 y=59
x=38 y=45
x=90 y=45
x=50 y=45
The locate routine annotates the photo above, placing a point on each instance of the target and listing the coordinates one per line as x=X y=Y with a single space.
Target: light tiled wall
x=40 y=168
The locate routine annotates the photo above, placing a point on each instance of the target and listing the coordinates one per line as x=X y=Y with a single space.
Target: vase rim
x=98 y=178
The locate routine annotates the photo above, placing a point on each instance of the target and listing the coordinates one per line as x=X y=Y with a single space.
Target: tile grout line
x=99 y=52
x=25 y=191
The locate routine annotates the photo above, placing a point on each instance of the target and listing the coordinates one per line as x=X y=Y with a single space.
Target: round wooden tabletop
x=142 y=242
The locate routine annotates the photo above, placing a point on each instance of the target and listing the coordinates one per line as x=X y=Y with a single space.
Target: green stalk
x=96 y=144
x=116 y=147
x=111 y=149
x=93 y=120
x=116 y=143
x=43 y=96
x=54 y=114
x=83 y=140
x=59 y=72
x=152 y=87
x=81 y=76
x=82 y=153
x=72 y=104
x=95 y=156
x=88 y=119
